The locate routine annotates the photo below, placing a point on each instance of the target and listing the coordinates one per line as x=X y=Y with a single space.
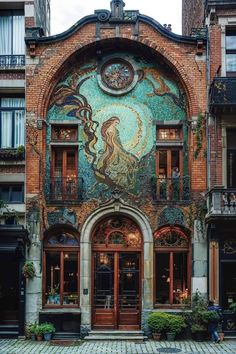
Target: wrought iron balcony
x=220 y=2
x=12 y=61
x=221 y=202
x=223 y=94
x=172 y=189
x=66 y=189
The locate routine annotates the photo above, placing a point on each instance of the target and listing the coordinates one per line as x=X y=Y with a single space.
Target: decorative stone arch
x=115 y=206
x=54 y=72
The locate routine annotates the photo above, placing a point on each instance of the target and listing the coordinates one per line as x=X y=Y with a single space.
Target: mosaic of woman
x=116 y=164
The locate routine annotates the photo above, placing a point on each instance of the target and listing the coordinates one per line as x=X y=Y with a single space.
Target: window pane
x=231 y=39
x=180 y=284
x=5 y=34
x=70 y=296
x=19 y=135
x=5 y=193
x=53 y=272
x=174 y=160
x=58 y=163
x=162 y=278
x=17 y=193
x=6 y=129
x=18 y=35
x=168 y=133
x=230 y=62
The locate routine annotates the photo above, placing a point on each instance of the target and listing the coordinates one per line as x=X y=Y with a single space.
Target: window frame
x=230 y=51
x=13 y=110
x=10 y=185
x=171 y=251
x=12 y=13
x=62 y=250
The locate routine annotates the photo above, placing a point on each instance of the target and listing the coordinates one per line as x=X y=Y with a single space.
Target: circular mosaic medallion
x=117 y=74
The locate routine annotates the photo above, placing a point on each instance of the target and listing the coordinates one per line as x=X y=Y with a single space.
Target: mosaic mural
x=117 y=106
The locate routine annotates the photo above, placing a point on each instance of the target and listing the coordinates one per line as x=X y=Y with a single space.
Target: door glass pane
x=180 y=284
x=104 y=280
x=58 y=163
x=70 y=168
x=70 y=296
x=53 y=272
x=162 y=172
x=129 y=280
x=162 y=278
x=174 y=160
x=228 y=283
x=231 y=158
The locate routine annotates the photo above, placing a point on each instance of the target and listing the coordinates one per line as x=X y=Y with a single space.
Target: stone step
x=66 y=335
x=116 y=332
x=120 y=338
x=102 y=335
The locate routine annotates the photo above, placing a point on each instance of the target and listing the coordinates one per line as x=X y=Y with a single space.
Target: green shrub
x=175 y=323
x=31 y=328
x=157 y=322
x=47 y=327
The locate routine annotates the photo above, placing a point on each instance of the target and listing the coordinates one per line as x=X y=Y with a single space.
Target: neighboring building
x=192 y=15
x=221 y=217
x=116 y=171
x=14 y=17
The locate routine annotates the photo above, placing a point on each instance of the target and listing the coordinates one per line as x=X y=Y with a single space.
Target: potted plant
x=175 y=324
x=47 y=329
x=31 y=330
x=200 y=317
x=29 y=270
x=39 y=333
x=232 y=307
x=53 y=296
x=157 y=324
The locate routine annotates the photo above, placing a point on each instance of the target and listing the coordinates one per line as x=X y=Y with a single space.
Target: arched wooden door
x=116 y=274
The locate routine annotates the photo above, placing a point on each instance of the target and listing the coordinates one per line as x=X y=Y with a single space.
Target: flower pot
x=156 y=336
x=170 y=336
x=33 y=337
x=47 y=336
x=222 y=336
x=39 y=338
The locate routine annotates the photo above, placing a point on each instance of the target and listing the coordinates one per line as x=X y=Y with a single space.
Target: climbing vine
x=199 y=134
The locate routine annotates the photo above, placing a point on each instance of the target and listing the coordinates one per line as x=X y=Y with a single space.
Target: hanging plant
x=29 y=270
x=199 y=134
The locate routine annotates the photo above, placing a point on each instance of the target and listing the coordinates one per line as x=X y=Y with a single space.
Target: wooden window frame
x=171 y=251
x=61 y=250
x=169 y=168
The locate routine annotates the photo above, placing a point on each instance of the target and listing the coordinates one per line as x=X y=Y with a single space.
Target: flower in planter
x=29 y=270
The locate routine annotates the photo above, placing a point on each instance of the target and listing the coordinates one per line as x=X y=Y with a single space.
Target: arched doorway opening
x=116 y=274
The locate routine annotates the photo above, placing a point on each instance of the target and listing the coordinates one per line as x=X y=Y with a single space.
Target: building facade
x=14 y=241
x=116 y=171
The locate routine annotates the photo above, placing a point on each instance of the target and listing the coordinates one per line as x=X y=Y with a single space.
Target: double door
x=116 y=290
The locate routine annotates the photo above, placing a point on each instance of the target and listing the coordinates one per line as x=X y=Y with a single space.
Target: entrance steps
x=109 y=335
x=9 y=331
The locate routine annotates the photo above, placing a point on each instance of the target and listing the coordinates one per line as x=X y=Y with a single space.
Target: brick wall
x=57 y=57
x=192 y=15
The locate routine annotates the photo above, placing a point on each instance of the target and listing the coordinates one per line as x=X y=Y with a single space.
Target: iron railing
x=172 y=189
x=66 y=188
x=12 y=61
x=222 y=201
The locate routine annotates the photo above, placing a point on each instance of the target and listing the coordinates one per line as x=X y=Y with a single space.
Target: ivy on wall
x=199 y=134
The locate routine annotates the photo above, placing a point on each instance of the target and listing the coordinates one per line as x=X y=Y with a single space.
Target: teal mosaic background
x=117 y=134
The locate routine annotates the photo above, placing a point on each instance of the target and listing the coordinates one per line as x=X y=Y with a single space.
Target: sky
x=66 y=13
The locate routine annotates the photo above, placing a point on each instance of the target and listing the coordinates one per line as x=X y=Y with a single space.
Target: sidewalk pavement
x=14 y=346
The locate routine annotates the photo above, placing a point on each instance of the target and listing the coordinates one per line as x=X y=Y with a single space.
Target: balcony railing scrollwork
x=12 y=61
x=66 y=188
x=222 y=201
x=171 y=189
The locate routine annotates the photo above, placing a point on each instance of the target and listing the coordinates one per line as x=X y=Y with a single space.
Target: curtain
x=5 y=34
x=12 y=33
x=18 y=35
x=7 y=127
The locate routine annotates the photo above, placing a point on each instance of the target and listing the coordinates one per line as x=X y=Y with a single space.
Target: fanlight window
x=171 y=237
x=62 y=239
x=117 y=231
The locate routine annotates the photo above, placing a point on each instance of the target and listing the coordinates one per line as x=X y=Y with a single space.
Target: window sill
x=60 y=310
